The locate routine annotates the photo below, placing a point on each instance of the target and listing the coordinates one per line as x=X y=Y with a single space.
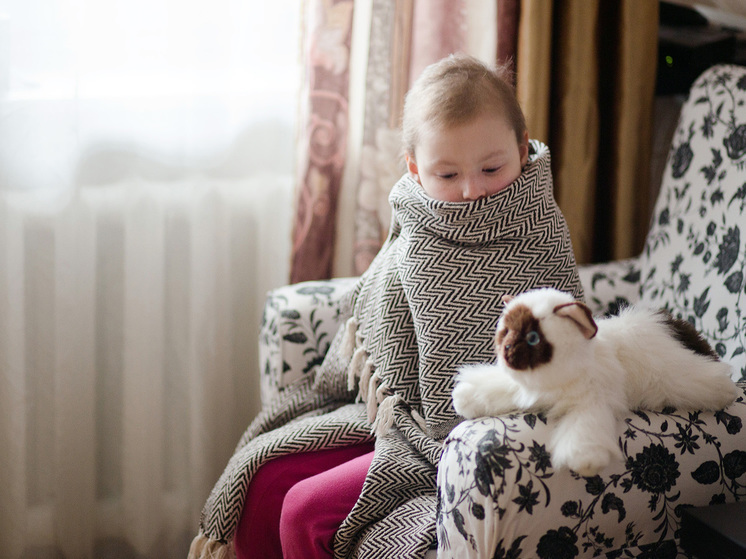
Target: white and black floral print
x=496 y=478
x=298 y=325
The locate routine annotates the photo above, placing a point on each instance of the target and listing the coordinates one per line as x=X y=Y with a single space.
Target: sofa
x=498 y=494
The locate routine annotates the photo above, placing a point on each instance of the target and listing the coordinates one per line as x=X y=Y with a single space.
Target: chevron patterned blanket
x=428 y=303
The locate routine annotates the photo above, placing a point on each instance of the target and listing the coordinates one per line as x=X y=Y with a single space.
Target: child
x=468 y=226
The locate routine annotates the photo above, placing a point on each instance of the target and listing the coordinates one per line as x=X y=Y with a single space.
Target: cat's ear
x=581 y=315
x=507 y=298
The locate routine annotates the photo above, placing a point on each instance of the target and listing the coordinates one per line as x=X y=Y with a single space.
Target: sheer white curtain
x=146 y=161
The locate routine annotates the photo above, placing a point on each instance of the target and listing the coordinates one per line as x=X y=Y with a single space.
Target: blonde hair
x=455 y=90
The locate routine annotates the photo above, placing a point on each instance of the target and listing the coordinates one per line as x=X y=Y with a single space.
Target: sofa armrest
x=611 y=285
x=500 y=496
x=298 y=324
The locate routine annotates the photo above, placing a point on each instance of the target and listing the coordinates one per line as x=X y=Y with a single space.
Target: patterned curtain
x=322 y=141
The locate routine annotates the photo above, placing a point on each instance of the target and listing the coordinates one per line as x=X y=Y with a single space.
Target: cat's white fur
x=593 y=379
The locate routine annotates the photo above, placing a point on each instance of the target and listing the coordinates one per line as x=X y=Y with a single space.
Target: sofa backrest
x=693 y=261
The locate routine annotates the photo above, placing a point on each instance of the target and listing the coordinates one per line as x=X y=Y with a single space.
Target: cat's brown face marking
x=521 y=341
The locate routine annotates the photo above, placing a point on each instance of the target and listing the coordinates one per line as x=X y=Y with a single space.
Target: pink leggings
x=296 y=503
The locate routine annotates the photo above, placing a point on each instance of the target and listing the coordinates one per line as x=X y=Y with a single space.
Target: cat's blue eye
x=533 y=338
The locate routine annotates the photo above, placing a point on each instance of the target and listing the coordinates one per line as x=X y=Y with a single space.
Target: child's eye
x=491 y=170
x=447 y=176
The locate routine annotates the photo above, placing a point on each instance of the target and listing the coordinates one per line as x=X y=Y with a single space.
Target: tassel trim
x=365 y=375
x=349 y=338
x=206 y=548
x=382 y=392
x=385 y=416
x=372 y=408
x=376 y=394
x=355 y=368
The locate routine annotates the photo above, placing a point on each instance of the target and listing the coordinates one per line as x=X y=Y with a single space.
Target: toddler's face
x=468 y=161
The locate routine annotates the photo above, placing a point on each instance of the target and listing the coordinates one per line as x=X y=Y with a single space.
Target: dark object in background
x=714 y=532
x=687 y=46
x=677 y=15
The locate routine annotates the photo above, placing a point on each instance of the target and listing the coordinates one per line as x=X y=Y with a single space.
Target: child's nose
x=474 y=188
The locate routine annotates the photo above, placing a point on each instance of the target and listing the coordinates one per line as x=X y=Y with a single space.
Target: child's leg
x=314 y=509
x=257 y=535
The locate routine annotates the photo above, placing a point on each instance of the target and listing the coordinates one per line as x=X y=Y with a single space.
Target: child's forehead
x=447 y=112
x=485 y=126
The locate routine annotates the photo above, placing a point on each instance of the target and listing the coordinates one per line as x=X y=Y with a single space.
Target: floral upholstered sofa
x=498 y=493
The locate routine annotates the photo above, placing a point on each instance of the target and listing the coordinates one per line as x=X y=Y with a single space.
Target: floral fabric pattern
x=498 y=494
x=611 y=286
x=495 y=480
x=298 y=326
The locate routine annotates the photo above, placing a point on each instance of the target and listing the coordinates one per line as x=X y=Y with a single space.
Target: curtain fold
x=633 y=128
x=586 y=79
x=508 y=17
x=574 y=137
x=324 y=122
x=534 y=69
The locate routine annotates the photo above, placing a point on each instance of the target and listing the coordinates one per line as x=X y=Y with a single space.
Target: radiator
x=129 y=316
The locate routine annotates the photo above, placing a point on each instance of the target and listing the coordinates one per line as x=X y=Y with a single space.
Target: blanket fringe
x=355 y=368
x=385 y=416
x=371 y=401
x=206 y=548
x=365 y=380
x=382 y=392
x=349 y=338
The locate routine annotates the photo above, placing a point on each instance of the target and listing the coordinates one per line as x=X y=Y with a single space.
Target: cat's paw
x=482 y=391
x=584 y=458
x=590 y=462
x=468 y=401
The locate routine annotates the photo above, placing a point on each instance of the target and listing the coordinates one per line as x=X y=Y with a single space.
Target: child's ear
x=412 y=166
x=523 y=149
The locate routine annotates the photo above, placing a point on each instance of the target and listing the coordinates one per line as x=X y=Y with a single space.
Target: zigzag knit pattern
x=428 y=304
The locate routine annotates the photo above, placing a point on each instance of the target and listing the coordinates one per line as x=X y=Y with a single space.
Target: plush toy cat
x=552 y=356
